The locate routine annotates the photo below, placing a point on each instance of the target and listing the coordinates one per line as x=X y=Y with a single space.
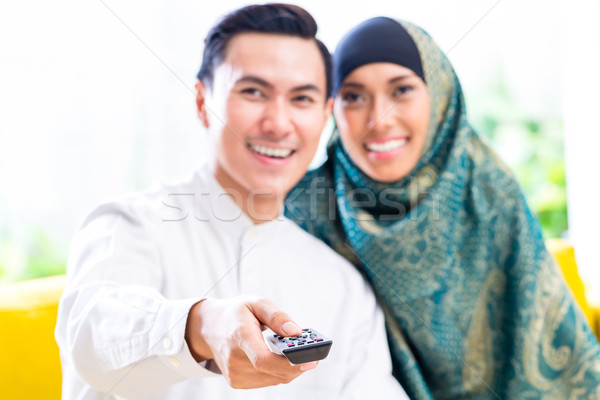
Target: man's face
x=265 y=112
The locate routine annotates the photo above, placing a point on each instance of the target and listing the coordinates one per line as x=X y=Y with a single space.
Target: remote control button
x=291 y=345
x=318 y=340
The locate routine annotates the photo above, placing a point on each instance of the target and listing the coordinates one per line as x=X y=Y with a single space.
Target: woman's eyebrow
x=390 y=82
x=398 y=78
x=353 y=84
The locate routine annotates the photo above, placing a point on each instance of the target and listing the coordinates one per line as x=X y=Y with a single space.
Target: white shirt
x=137 y=266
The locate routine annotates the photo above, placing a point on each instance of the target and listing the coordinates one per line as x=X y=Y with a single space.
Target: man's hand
x=229 y=332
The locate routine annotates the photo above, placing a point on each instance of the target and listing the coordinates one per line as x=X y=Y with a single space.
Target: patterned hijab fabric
x=475 y=306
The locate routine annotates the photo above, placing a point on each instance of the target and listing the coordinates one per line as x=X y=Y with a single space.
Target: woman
x=475 y=305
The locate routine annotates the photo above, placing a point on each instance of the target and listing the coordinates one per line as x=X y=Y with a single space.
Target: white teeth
x=386 y=146
x=271 y=151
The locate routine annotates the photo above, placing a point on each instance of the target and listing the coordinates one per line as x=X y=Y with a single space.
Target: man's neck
x=259 y=206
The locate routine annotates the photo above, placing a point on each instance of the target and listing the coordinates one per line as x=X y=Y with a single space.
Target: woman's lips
x=384 y=149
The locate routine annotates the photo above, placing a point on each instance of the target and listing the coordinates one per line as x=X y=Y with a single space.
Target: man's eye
x=253 y=92
x=304 y=99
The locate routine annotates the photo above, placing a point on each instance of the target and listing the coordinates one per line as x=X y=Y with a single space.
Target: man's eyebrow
x=308 y=86
x=254 y=79
x=262 y=82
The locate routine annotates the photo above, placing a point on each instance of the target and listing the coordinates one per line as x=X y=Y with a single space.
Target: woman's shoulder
x=317 y=177
x=311 y=198
x=314 y=187
x=489 y=171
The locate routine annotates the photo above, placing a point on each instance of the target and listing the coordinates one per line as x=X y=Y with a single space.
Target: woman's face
x=382 y=113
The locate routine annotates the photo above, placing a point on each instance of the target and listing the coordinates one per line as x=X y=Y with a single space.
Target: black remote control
x=309 y=346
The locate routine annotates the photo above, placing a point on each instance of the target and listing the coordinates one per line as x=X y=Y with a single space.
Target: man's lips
x=271 y=151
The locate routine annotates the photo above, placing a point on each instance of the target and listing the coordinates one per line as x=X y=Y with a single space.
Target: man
x=163 y=285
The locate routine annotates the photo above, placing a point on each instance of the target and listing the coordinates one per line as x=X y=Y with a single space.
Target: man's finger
x=252 y=343
x=279 y=322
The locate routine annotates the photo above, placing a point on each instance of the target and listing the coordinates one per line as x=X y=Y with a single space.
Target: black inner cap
x=378 y=39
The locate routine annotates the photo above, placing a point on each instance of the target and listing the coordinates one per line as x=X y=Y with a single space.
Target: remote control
x=309 y=346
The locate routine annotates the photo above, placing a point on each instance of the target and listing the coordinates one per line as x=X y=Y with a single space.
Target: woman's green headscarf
x=475 y=306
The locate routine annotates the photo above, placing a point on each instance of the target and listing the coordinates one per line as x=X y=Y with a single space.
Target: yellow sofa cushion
x=29 y=360
x=564 y=254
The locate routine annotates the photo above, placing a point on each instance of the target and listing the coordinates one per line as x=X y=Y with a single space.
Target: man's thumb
x=289 y=328
x=279 y=322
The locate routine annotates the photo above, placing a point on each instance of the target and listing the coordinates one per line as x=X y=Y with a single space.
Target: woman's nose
x=382 y=114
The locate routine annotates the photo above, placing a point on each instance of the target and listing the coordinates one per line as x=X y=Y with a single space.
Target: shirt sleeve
x=114 y=328
x=369 y=372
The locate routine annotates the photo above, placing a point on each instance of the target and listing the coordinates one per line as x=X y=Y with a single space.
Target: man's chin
x=267 y=187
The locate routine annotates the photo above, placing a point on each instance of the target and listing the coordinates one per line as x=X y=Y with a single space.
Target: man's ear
x=328 y=108
x=201 y=103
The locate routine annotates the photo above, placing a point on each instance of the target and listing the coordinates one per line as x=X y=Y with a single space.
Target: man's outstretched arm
x=121 y=335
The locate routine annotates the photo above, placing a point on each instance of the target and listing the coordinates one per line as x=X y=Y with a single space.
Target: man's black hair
x=281 y=19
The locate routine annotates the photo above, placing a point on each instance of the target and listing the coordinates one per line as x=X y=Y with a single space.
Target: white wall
x=95 y=97
x=580 y=78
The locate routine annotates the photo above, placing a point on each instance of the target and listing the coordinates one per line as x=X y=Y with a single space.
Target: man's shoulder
x=150 y=202
x=315 y=249
x=333 y=279
x=302 y=239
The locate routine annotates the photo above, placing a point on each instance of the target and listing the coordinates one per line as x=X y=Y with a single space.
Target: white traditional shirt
x=137 y=265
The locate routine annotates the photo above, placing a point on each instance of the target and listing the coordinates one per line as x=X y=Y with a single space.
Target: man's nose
x=277 y=118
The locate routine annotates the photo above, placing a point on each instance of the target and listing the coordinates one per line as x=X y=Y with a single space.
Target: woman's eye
x=400 y=90
x=351 y=97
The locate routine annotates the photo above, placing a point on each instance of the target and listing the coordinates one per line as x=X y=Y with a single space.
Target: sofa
x=29 y=360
